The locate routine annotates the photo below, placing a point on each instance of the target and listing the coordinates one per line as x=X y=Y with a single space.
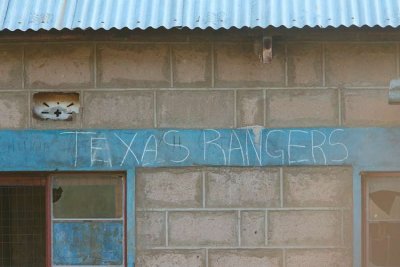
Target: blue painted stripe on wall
x=126 y=149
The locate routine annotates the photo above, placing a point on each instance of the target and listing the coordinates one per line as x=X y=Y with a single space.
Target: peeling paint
x=256 y=132
x=87 y=243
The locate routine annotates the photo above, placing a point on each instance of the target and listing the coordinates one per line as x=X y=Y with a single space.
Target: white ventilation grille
x=55 y=106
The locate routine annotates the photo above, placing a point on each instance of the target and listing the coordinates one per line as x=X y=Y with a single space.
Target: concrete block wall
x=220 y=216
x=202 y=81
x=291 y=216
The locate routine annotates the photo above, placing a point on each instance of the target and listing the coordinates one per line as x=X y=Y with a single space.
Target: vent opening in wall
x=55 y=106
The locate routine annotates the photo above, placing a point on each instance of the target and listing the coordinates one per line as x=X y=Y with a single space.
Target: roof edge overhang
x=184 y=34
x=25 y=15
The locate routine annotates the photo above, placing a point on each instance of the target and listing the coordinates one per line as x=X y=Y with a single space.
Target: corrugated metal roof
x=133 y=14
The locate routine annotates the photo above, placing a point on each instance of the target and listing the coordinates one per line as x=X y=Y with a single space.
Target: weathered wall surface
x=166 y=80
x=294 y=216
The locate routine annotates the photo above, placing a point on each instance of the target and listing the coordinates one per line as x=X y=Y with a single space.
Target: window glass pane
x=87 y=196
x=384 y=198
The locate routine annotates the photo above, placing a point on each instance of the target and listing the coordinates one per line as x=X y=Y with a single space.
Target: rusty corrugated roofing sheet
x=106 y=14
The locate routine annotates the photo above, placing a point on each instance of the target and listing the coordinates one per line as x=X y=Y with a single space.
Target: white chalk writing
x=99 y=151
x=176 y=144
x=153 y=150
x=76 y=133
x=242 y=147
x=258 y=153
x=281 y=152
x=343 y=146
x=315 y=146
x=128 y=148
x=213 y=142
x=293 y=145
x=238 y=147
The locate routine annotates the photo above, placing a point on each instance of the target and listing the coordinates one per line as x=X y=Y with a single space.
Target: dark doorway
x=22 y=222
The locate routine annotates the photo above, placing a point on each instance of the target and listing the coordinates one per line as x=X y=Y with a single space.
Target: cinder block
x=118 y=109
x=304 y=64
x=369 y=108
x=169 y=188
x=237 y=65
x=318 y=187
x=318 y=258
x=252 y=228
x=192 y=65
x=360 y=64
x=57 y=66
x=195 y=109
x=232 y=35
x=10 y=66
x=150 y=229
x=250 y=107
x=241 y=258
x=13 y=110
x=302 y=108
x=203 y=228
x=348 y=227
x=133 y=65
x=75 y=123
x=242 y=187
x=170 y=258
x=304 y=228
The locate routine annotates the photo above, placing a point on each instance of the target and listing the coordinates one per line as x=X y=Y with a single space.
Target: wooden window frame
x=45 y=179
